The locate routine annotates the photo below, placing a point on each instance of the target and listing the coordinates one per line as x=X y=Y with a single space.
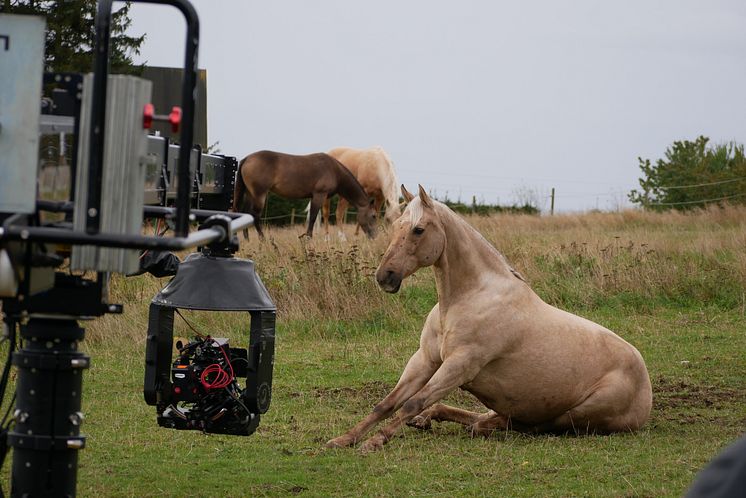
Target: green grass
x=328 y=376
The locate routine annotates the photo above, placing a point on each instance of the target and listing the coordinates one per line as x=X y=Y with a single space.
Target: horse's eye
x=418 y=230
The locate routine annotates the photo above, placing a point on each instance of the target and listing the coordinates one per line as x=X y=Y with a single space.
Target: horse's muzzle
x=388 y=280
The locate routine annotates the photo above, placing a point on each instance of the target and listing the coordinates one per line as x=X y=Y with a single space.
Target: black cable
x=188 y=324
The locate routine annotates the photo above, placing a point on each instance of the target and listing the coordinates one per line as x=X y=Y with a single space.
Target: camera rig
x=118 y=176
x=199 y=389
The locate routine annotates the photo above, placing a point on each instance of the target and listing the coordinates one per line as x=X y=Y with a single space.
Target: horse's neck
x=350 y=189
x=467 y=262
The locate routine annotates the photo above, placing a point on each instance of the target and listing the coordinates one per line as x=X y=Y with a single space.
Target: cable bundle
x=222 y=378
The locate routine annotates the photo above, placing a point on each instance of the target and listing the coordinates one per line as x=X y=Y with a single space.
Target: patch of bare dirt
x=672 y=393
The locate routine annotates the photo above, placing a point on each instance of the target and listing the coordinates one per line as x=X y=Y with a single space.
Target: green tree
x=693 y=175
x=71 y=34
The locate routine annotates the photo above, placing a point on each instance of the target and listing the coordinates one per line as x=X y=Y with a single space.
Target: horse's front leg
x=316 y=202
x=416 y=374
x=457 y=369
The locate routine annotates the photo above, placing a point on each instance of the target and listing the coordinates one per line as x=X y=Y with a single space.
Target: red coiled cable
x=222 y=378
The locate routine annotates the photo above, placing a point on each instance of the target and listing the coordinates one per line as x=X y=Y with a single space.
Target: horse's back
x=349 y=157
x=371 y=166
x=289 y=175
x=269 y=159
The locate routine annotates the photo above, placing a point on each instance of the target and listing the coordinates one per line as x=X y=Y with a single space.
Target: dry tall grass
x=571 y=259
x=630 y=258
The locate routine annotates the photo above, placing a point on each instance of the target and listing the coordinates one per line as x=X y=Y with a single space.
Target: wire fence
x=702 y=201
x=301 y=216
x=721 y=182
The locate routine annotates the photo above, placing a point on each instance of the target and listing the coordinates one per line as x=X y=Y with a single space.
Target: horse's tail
x=390 y=188
x=239 y=189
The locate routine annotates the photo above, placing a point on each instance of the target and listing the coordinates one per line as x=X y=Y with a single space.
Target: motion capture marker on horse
x=299 y=177
x=535 y=367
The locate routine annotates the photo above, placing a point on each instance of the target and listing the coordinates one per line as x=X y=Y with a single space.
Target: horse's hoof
x=420 y=422
x=475 y=431
x=340 y=442
x=375 y=443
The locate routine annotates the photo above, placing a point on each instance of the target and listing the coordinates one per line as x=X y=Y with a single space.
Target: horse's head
x=367 y=218
x=418 y=240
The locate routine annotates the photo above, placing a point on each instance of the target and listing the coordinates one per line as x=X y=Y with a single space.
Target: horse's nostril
x=384 y=276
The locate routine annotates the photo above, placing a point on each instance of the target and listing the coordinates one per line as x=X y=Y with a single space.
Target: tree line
x=693 y=174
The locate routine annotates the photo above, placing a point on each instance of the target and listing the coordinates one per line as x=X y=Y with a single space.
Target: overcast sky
x=473 y=97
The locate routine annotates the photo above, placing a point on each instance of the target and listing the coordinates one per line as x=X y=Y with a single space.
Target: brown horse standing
x=299 y=177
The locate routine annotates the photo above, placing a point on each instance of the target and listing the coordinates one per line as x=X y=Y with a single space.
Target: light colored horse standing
x=374 y=170
x=535 y=367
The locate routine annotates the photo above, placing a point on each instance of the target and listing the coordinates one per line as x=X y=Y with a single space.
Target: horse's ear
x=424 y=198
x=406 y=194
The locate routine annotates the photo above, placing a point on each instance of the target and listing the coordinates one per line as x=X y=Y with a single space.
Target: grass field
x=671 y=284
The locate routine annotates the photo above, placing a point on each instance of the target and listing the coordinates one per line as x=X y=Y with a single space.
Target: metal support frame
x=98 y=112
x=46 y=435
x=10 y=231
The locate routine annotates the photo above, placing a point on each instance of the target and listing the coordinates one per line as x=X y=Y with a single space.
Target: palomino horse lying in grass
x=297 y=177
x=535 y=367
x=374 y=170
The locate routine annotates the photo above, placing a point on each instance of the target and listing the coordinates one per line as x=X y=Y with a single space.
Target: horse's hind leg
x=255 y=205
x=617 y=405
x=479 y=424
x=443 y=413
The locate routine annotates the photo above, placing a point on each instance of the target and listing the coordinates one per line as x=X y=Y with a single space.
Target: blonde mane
x=414 y=208
x=391 y=187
